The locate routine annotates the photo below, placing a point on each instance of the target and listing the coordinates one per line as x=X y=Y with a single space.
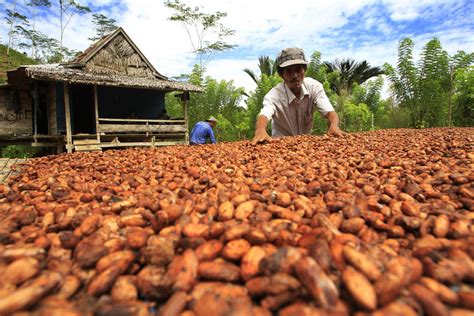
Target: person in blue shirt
x=203 y=130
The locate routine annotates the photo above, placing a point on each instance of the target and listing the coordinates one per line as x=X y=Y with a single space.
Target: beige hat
x=291 y=56
x=211 y=119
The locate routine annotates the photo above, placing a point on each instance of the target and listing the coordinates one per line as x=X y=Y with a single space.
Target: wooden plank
x=116 y=128
x=7 y=166
x=140 y=144
x=78 y=142
x=68 y=118
x=141 y=120
x=88 y=148
x=3 y=163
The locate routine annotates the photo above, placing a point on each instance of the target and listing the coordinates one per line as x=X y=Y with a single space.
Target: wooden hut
x=109 y=96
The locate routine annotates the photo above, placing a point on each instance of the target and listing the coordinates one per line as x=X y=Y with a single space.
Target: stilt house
x=108 y=96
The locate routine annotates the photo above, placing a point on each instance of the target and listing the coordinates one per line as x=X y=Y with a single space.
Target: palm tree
x=266 y=66
x=350 y=72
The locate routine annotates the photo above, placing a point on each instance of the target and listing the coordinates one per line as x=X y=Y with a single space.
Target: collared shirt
x=292 y=116
x=200 y=132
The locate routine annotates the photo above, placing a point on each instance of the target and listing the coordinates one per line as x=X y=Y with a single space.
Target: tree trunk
x=62 y=30
x=451 y=88
x=10 y=34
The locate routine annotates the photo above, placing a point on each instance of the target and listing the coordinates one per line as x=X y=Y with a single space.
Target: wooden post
x=96 y=106
x=69 y=145
x=185 y=98
x=35 y=109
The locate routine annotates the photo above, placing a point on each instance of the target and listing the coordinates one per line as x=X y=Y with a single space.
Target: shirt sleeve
x=321 y=101
x=211 y=135
x=268 y=109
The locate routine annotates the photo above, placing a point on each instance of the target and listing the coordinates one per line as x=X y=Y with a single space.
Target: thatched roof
x=113 y=61
x=71 y=75
x=86 y=56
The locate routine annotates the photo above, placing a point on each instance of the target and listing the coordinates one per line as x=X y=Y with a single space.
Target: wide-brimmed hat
x=211 y=119
x=291 y=56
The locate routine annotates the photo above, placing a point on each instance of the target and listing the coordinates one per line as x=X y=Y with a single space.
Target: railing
x=132 y=126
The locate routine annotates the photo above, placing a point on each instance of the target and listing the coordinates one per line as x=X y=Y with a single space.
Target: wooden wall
x=19 y=122
x=119 y=57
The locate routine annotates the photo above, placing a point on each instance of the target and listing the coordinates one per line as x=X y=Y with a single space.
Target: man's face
x=293 y=76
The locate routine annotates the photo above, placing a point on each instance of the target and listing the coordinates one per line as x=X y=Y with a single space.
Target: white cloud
x=402 y=10
x=264 y=28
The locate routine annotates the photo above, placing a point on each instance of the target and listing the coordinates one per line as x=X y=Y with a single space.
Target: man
x=291 y=104
x=203 y=130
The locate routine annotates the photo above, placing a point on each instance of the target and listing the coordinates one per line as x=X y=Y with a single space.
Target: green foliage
x=18 y=151
x=199 y=26
x=369 y=93
x=67 y=9
x=350 y=73
x=220 y=99
x=389 y=115
x=464 y=97
x=316 y=69
x=16 y=21
x=102 y=25
x=426 y=89
x=266 y=66
x=12 y=61
x=356 y=117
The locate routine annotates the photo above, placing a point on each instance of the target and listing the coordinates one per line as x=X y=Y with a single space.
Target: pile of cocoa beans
x=373 y=223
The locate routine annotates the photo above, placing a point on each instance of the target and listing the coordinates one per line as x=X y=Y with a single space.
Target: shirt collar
x=290 y=93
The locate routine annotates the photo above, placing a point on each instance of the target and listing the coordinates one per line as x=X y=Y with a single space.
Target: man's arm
x=211 y=135
x=261 y=134
x=333 y=124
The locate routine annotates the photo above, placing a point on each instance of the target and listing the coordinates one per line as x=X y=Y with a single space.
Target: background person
x=202 y=131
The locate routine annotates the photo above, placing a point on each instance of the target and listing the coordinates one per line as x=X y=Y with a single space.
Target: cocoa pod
x=153 y=282
x=360 y=288
x=258 y=286
x=219 y=271
x=397 y=275
x=319 y=285
x=430 y=302
x=21 y=270
x=466 y=298
x=103 y=282
x=442 y=291
x=441 y=226
x=244 y=209
x=119 y=258
x=226 y=211
x=362 y=262
x=183 y=270
x=250 y=263
x=30 y=294
x=235 y=249
x=174 y=305
x=124 y=289
x=69 y=287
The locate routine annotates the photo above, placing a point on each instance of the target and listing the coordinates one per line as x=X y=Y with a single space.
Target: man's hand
x=333 y=123
x=261 y=136
x=336 y=131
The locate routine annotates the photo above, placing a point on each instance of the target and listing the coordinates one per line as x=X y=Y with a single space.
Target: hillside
x=12 y=61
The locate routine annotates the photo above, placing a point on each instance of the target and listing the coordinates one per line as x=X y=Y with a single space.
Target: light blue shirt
x=200 y=132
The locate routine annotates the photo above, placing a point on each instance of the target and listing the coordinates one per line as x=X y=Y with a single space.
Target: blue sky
x=361 y=29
